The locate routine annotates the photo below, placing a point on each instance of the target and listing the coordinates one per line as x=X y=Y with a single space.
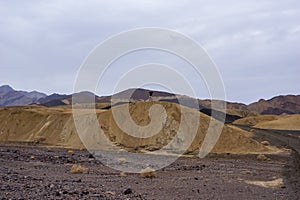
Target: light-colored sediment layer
x=254 y=120
x=277 y=122
x=267 y=184
x=285 y=122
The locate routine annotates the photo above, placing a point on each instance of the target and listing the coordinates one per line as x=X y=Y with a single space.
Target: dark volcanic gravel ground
x=48 y=176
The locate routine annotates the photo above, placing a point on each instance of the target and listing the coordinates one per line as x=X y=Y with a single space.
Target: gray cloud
x=254 y=43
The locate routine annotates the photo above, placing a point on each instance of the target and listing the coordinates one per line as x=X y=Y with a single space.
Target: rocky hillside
x=55 y=127
x=289 y=104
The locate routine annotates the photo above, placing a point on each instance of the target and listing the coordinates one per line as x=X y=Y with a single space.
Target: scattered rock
x=123 y=174
x=57 y=193
x=128 y=191
x=97 y=195
x=78 y=169
x=266 y=143
x=122 y=160
x=262 y=157
x=91 y=156
x=78 y=181
x=32 y=157
x=71 y=152
x=85 y=192
x=247 y=172
x=148 y=173
x=110 y=193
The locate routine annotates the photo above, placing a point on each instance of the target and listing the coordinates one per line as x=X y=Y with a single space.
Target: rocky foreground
x=32 y=172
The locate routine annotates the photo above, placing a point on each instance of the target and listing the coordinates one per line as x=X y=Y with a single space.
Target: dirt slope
x=254 y=120
x=38 y=124
x=285 y=122
x=276 y=122
x=55 y=126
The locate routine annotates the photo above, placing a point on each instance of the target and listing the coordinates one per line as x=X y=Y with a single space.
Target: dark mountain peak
x=56 y=95
x=6 y=86
x=5 y=89
x=261 y=100
x=141 y=94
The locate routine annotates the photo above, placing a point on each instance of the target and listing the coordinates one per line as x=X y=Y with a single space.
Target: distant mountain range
x=289 y=104
x=11 y=97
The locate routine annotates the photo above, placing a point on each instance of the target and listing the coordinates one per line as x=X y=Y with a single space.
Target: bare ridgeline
x=42 y=157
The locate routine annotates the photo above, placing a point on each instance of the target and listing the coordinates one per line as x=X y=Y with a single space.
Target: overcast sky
x=255 y=44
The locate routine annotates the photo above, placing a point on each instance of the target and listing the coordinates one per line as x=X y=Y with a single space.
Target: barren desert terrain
x=42 y=156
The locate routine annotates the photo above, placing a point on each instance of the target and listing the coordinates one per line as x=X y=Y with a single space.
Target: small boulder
x=78 y=169
x=262 y=157
x=265 y=143
x=128 y=191
x=148 y=173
